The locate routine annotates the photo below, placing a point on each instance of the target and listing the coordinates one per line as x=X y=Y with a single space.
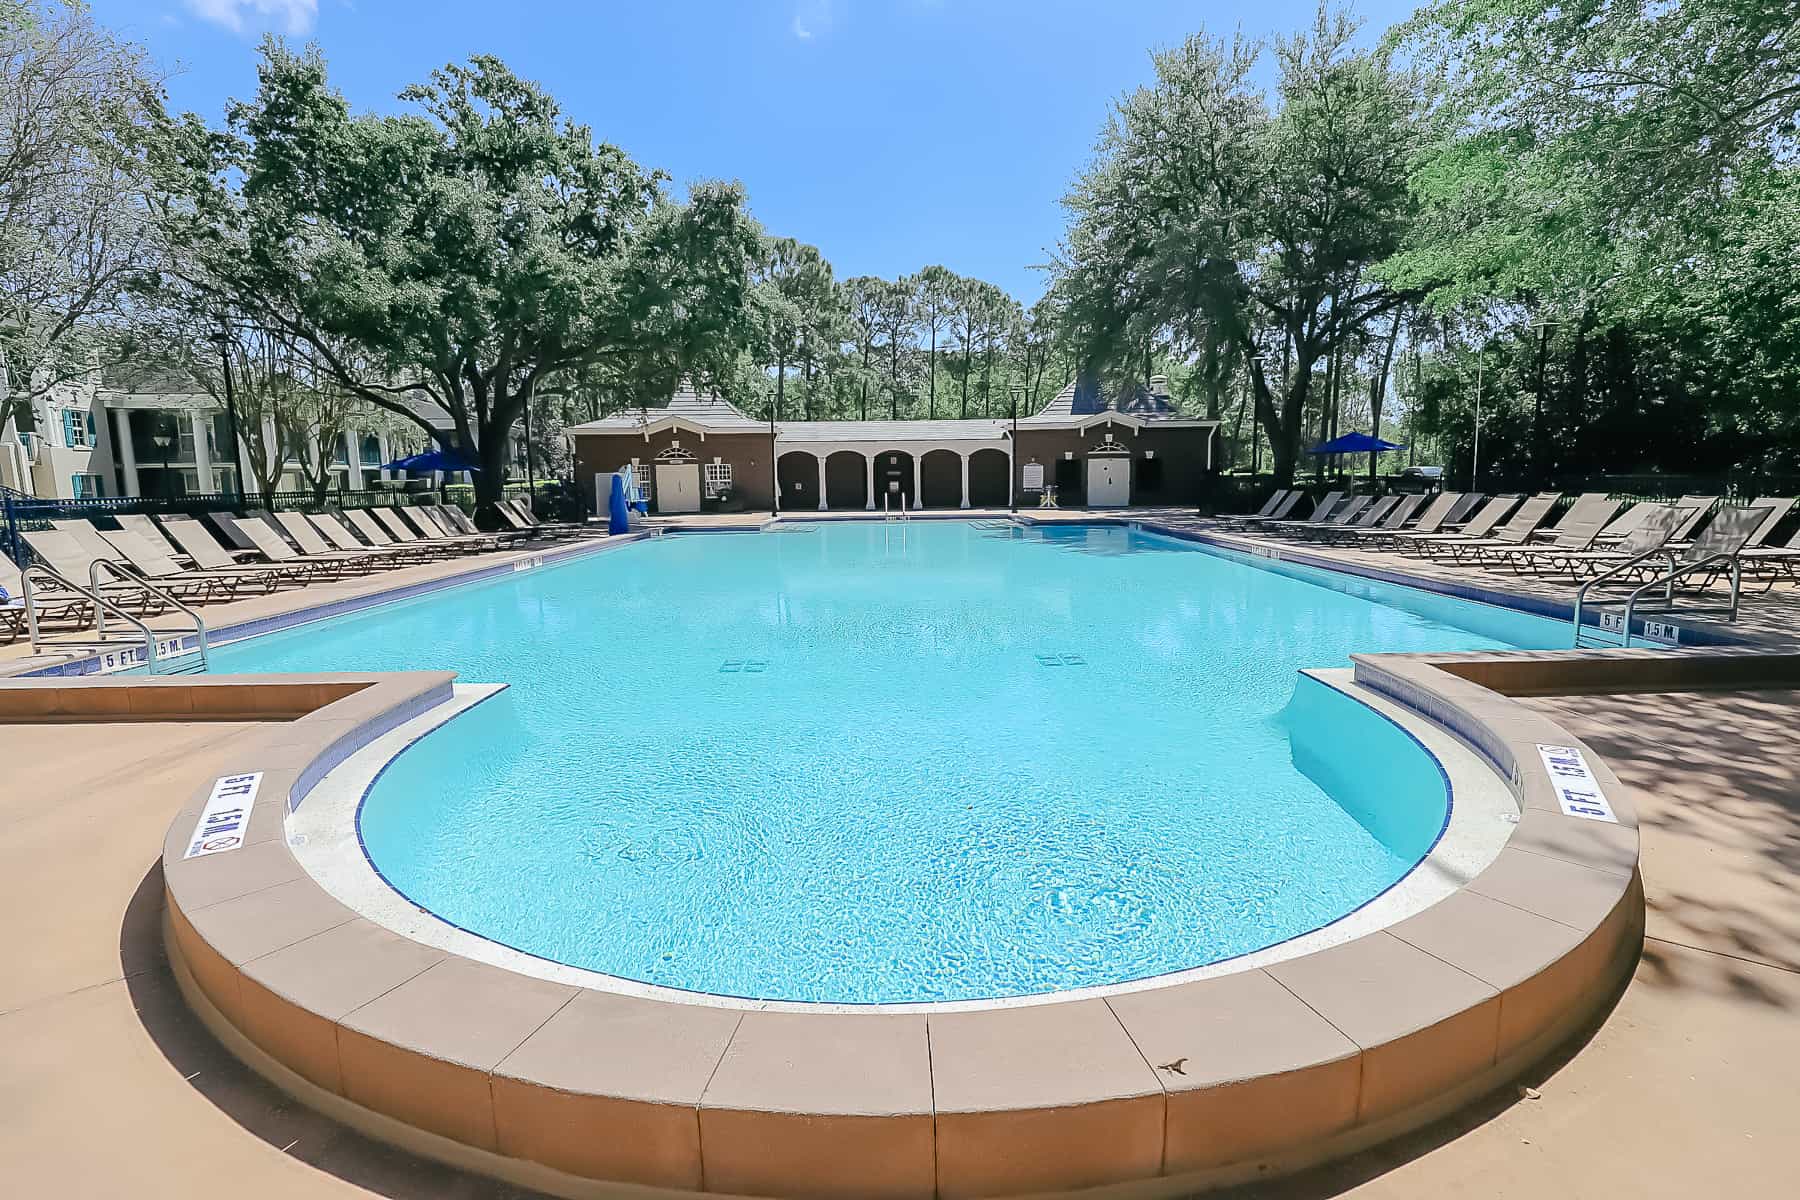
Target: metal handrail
x=125 y=575
x=100 y=602
x=1737 y=579
x=1613 y=573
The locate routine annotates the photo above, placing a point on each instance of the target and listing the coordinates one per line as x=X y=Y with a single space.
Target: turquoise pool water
x=862 y=762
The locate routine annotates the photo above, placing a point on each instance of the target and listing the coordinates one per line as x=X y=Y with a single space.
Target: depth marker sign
x=1576 y=788
x=226 y=816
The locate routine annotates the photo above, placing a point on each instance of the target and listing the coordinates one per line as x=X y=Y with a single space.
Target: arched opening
x=987 y=479
x=894 y=479
x=797 y=472
x=940 y=475
x=846 y=480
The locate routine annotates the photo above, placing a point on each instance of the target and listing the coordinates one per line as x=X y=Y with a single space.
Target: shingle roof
x=686 y=404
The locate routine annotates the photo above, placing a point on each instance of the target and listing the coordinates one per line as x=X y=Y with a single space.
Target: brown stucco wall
x=748 y=454
x=1182 y=451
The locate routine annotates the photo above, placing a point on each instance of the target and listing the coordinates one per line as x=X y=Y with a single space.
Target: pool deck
x=109 y=1086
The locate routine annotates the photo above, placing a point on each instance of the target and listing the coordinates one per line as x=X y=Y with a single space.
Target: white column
x=962 y=454
x=382 y=448
x=123 y=451
x=918 y=488
x=353 y=457
x=869 y=462
x=203 y=452
x=821 y=459
x=1012 y=478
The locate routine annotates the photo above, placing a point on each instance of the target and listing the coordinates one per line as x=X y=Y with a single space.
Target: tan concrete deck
x=110 y=1087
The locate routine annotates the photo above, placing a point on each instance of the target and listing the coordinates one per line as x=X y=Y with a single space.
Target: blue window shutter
x=93 y=434
x=68 y=415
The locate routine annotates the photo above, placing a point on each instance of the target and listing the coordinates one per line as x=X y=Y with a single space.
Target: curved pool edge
x=327 y=837
x=1158 y=1092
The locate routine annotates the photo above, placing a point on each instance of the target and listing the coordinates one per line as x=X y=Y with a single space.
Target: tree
x=76 y=243
x=935 y=298
x=864 y=295
x=896 y=322
x=794 y=293
x=1209 y=213
x=470 y=255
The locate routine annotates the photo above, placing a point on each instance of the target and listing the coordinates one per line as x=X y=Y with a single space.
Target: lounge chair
x=1476 y=528
x=1429 y=521
x=341 y=537
x=1574 y=534
x=1386 y=515
x=1321 y=512
x=1656 y=525
x=515 y=515
x=582 y=528
x=198 y=543
x=1772 y=563
x=1516 y=530
x=268 y=540
x=1280 y=512
x=425 y=518
x=88 y=538
x=75 y=562
x=196 y=583
x=1581 y=513
x=313 y=546
x=377 y=535
x=408 y=535
x=1267 y=510
x=1342 y=515
x=1371 y=514
x=20 y=604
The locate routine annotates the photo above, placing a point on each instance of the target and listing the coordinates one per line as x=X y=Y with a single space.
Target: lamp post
x=164 y=438
x=1475 y=467
x=530 y=479
x=231 y=419
x=1542 y=325
x=1017 y=391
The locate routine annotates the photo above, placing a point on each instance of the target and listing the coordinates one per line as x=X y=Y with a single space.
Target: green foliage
x=470 y=254
x=1215 y=220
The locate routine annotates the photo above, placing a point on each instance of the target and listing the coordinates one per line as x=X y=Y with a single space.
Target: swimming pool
x=871 y=762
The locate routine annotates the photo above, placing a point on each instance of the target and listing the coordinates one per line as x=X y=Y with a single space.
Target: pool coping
x=1161 y=1092
x=326 y=836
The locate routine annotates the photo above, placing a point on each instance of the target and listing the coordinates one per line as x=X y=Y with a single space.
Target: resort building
x=699 y=452
x=156 y=436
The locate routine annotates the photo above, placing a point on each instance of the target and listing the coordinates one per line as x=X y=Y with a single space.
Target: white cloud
x=289 y=16
x=811 y=18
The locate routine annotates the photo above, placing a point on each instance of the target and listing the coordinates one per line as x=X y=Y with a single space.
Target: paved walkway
x=109 y=1088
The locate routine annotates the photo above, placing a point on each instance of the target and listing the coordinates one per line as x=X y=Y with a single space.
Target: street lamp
x=1542 y=325
x=1017 y=391
x=231 y=419
x=164 y=437
x=1475 y=467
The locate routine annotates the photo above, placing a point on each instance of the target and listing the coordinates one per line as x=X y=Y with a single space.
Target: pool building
x=700 y=452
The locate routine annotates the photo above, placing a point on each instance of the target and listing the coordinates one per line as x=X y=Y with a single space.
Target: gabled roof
x=1080 y=406
x=686 y=408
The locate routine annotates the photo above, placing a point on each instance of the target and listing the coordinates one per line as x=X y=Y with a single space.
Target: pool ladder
x=887 y=511
x=135 y=645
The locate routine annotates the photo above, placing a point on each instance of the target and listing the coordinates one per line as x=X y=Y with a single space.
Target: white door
x=677 y=487
x=1109 y=482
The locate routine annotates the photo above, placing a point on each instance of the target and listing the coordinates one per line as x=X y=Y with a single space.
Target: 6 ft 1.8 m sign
x=226 y=817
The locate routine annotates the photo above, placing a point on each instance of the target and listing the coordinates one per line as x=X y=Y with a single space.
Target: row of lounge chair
x=1595 y=535
x=179 y=559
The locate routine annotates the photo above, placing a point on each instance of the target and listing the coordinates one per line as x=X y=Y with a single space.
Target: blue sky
x=890 y=133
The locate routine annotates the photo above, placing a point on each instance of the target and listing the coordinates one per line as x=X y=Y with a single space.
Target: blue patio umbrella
x=1356 y=442
x=430 y=460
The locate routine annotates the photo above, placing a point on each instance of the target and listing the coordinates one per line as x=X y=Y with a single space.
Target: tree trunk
x=968 y=364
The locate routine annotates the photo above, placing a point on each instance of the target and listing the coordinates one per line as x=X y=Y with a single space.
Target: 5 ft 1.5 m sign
x=226 y=817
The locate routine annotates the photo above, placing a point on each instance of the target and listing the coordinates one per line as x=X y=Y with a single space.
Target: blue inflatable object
x=618 y=507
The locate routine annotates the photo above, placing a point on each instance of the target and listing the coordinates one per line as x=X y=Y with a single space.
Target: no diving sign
x=1577 y=791
x=226 y=817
